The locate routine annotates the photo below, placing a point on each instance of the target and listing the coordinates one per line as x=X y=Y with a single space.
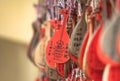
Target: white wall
x=14 y=64
x=16 y=17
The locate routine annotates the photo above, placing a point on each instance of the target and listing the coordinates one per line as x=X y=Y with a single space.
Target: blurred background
x=16 y=17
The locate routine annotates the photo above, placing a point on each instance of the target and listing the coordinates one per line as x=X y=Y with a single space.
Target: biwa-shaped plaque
x=108 y=42
x=35 y=39
x=78 y=35
x=90 y=56
x=55 y=24
x=40 y=49
x=57 y=48
x=86 y=39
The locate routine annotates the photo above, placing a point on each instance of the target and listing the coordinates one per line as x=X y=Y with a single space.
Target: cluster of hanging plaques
x=76 y=40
